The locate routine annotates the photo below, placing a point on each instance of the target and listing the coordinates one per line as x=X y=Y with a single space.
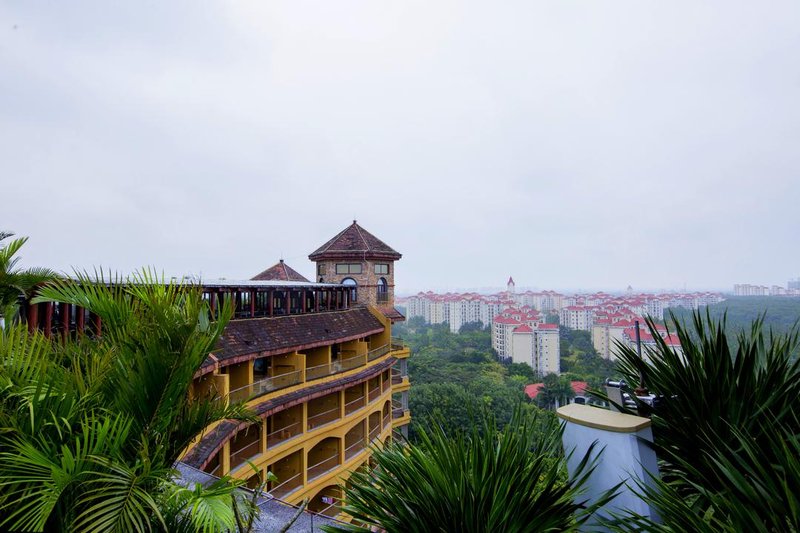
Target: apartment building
x=649 y=341
x=577 y=317
x=519 y=335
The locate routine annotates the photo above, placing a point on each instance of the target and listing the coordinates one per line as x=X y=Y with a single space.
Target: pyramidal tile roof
x=279 y=272
x=355 y=241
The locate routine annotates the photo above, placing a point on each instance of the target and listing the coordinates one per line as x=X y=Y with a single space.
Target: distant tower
x=357 y=258
x=629 y=291
x=510 y=287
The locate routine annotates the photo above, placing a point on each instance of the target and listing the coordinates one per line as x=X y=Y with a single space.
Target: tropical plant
x=16 y=282
x=486 y=480
x=727 y=429
x=556 y=390
x=90 y=428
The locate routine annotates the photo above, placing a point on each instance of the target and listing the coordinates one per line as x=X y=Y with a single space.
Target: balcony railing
x=248 y=452
x=325 y=417
x=266 y=385
x=354 y=405
x=274 y=383
x=375 y=393
x=285 y=433
x=397 y=379
x=374 y=433
x=397 y=410
x=331 y=510
x=328 y=369
x=216 y=470
x=354 y=449
x=387 y=419
x=382 y=297
x=326 y=465
x=398 y=344
x=287 y=486
x=378 y=352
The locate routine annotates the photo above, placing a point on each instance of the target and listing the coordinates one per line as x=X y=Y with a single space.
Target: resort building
x=315 y=361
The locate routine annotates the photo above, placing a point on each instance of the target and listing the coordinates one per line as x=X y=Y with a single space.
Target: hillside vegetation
x=456 y=375
x=780 y=314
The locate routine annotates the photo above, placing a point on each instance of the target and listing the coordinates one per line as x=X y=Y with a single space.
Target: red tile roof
x=355 y=242
x=548 y=326
x=523 y=329
x=579 y=387
x=506 y=320
x=533 y=390
x=268 y=336
x=279 y=272
x=392 y=314
x=647 y=337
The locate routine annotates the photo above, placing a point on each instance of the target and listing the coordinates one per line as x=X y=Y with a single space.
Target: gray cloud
x=572 y=144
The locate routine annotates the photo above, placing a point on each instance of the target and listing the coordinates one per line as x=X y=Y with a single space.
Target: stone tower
x=510 y=286
x=357 y=258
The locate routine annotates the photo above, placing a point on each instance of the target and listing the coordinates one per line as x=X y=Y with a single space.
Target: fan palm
x=727 y=432
x=90 y=427
x=487 y=480
x=16 y=282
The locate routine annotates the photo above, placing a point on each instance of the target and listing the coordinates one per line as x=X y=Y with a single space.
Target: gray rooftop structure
x=275 y=514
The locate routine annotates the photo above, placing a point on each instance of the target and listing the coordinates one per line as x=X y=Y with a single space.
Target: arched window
x=383 y=291
x=353 y=286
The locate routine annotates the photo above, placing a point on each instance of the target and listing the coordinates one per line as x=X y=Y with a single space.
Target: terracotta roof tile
x=355 y=240
x=392 y=314
x=279 y=272
x=269 y=336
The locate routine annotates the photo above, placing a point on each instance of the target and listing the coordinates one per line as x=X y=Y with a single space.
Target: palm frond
x=715 y=431
x=197 y=508
x=489 y=480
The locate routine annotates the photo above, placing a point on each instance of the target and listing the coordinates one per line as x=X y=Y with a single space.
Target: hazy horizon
x=568 y=144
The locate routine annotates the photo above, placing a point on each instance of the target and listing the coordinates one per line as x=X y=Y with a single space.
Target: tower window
x=321 y=269
x=382 y=291
x=348 y=268
x=381 y=268
x=351 y=284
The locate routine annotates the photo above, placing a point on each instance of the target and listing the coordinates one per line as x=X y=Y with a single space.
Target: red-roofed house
x=578 y=387
x=648 y=341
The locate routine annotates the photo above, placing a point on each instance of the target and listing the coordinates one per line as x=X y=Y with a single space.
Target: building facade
x=519 y=335
x=315 y=361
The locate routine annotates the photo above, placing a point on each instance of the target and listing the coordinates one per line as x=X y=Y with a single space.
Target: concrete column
x=225 y=458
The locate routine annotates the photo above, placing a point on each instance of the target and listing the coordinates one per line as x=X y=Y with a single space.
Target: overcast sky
x=570 y=144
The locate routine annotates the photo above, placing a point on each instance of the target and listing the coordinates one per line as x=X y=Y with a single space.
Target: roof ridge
x=333 y=240
x=358 y=229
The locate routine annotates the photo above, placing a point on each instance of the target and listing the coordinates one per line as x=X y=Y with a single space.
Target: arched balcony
x=323 y=457
x=355 y=441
